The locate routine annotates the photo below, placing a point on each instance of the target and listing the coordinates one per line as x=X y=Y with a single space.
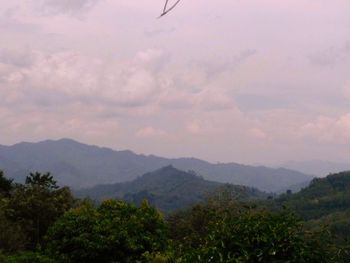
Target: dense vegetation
x=323 y=196
x=28 y=210
x=325 y=202
x=42 y=223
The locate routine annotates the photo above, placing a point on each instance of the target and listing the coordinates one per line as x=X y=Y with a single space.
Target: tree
x=26 y=257
x=6 y=185
x=240 y=233
x=41 y=181
x=37 y=204
x=116 y=231
x=11 y=236
x=167 y=9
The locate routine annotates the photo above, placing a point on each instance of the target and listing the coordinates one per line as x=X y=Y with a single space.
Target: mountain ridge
x=80 y=165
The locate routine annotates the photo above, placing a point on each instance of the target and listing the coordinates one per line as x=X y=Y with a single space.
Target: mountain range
x=80 y=165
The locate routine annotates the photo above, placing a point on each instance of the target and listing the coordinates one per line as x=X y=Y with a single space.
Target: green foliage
x=114 y=232
x=38 y=216
x=323 y=197
x=338 y=224
x=26 y=257
x=30 y=209
x=157 y=258
x=41 y=181
x=236 y=233
x=12 y=237
x=6 y=185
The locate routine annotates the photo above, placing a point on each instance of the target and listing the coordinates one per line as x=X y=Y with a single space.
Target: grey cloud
x=346 y=47
x=18 y=58
x=330 y=56
x=246 y=54
x=215 y=67
x=48 y=99
x=8 y=23
x=159 y=32
x=250 y=102
x=325 y=58
x=67 y=6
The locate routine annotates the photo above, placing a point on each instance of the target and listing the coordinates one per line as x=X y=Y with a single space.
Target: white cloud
x=200 y=127
x=76 y=78
x=67 y=78
x=258 y=133
x=329 y=130
x=214 y=98
x=149 y=131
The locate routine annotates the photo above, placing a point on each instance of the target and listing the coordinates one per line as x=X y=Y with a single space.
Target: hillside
x=322 y=197
x=79 y=166
x=168 y=189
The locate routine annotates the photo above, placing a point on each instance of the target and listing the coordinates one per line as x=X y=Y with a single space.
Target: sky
x=249 y=81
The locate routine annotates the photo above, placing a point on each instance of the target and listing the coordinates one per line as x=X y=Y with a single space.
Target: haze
x=255 y=81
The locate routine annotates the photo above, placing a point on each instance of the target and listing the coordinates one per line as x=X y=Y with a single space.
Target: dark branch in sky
x=166 y=9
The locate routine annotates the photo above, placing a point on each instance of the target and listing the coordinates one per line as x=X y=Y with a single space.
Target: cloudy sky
x=251 y=81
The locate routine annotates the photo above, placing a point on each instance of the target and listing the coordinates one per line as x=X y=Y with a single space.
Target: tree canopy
x=41 y=222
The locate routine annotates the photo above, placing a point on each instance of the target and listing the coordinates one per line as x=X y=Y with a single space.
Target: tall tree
x=37 y=204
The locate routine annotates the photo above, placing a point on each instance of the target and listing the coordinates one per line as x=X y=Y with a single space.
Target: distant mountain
x=317 y=167
x=79 y=166
x=168 y=189
x=295 y=188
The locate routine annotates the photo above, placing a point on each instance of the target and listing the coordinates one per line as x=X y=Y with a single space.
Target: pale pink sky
x=227 y=80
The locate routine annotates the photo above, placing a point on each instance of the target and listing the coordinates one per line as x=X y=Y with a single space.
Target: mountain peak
x=169 y=172
x=61 y=141
x=67 y=140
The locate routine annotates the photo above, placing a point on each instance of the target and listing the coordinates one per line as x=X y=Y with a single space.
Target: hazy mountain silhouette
x=79 y=165
x=317 y=167
x=168 y=189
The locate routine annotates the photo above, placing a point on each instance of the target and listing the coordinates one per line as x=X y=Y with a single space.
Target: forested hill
x=168 y=189
x=79 y=165
x=322 y=197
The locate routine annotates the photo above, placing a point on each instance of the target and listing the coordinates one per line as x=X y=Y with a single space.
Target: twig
x=165 y=10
